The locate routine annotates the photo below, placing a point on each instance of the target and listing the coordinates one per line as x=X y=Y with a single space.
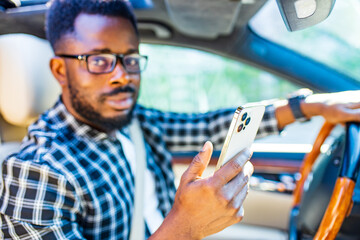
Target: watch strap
x=294 y=103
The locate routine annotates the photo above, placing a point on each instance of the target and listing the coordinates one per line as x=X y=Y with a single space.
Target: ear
x=58 y=69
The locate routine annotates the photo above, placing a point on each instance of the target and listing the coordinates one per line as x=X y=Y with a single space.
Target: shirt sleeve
x=269 y=124
x=188 y=132
x=36 y=202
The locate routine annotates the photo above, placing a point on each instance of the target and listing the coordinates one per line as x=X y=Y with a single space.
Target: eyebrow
x=107 y=50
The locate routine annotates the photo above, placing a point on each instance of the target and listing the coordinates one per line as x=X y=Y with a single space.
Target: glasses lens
x=134 y=63
x=101 y=63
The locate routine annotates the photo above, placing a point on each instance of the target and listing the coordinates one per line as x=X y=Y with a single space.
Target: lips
x=122 y=101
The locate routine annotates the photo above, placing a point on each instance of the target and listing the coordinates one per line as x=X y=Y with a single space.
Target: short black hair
x=61 y=15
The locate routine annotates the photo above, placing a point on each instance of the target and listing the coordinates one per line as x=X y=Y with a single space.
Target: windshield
x=334 y=42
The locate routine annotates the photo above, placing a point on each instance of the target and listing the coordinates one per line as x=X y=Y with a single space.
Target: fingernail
x=248 y=169
x=204 y=147
x=246 y=178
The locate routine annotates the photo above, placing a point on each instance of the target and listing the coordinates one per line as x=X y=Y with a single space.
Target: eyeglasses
x=106 y=62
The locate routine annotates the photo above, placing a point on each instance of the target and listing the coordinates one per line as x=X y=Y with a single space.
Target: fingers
x=349 y=113
x=231 y=189
x=353 y=113
x=235 y=185
x=231 y=168
x=236 y=191
x=248 y=169
x=353 y=105
x=241 y=212
x=199 y=163
x=341 y=113
x=238 y=200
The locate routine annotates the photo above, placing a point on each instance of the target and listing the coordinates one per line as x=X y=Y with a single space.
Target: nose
x=119 y=75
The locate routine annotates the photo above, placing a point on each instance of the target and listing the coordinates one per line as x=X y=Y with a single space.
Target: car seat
x=27 y=87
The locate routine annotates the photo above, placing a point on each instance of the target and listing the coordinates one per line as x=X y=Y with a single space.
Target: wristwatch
x=294 y=103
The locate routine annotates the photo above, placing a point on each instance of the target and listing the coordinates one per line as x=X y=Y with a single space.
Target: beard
x=85 y=110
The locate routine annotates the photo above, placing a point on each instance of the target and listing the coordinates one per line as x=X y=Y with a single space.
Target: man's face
x=104 y=101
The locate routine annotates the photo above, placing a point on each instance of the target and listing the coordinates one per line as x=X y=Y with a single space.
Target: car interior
x=292 y=187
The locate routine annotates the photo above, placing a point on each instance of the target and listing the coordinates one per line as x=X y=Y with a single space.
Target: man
x=74 y=176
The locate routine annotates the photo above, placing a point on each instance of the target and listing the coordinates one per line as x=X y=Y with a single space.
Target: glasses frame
x=118 y=57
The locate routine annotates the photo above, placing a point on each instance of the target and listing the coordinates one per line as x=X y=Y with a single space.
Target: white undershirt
x=152 y=214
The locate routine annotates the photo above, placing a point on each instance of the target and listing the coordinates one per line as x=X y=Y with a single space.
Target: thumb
x=199 y=163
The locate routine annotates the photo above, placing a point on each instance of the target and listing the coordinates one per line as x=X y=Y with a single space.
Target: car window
x=186 y=80
x=332 y=42
x=180 y=79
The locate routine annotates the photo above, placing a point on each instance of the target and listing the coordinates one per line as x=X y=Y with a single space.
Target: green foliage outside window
x=187 y=80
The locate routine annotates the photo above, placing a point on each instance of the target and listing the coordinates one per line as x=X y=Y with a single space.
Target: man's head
x=61 y=15
x=97 y=63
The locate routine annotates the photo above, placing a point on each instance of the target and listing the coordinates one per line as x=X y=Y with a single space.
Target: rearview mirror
x=300 y=14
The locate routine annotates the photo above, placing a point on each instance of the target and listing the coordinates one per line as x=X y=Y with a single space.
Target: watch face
x=303 y=92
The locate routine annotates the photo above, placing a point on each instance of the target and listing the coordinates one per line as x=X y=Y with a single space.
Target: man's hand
x=204 y=206
x=338 y=107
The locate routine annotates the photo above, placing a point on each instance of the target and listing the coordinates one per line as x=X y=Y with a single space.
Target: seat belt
x=137 y=231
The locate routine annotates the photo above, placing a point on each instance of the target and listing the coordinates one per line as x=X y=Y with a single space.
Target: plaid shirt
x=70 y=181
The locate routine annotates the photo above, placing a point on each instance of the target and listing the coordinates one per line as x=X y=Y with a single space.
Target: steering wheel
x=341 y=202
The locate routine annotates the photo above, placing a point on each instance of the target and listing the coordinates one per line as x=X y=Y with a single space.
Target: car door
x=180 y=79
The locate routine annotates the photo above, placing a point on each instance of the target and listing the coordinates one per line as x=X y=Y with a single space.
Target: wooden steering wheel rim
x=309 y=160
x=341 y=200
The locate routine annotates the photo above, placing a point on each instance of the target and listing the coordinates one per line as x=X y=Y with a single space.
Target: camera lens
x=247 y=121
x=240 y=127
x=243 y=116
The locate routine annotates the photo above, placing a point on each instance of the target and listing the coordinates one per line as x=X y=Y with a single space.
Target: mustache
x=125 y=89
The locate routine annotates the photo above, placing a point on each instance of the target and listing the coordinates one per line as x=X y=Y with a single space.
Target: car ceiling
x=209 y=25
x=204 y=19
x=185 y=22
x=218 y=26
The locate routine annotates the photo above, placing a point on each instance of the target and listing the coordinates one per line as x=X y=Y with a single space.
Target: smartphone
x=242 y=132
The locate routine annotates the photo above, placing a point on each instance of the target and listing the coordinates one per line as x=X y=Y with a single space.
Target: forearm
x=284 y=115
x=334 y=107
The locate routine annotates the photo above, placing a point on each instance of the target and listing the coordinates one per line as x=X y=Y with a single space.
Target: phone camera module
x=247 y=121
x=240 y=127
x=243 y=116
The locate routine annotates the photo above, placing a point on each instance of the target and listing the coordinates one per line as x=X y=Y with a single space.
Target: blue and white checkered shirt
x=70 y=181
